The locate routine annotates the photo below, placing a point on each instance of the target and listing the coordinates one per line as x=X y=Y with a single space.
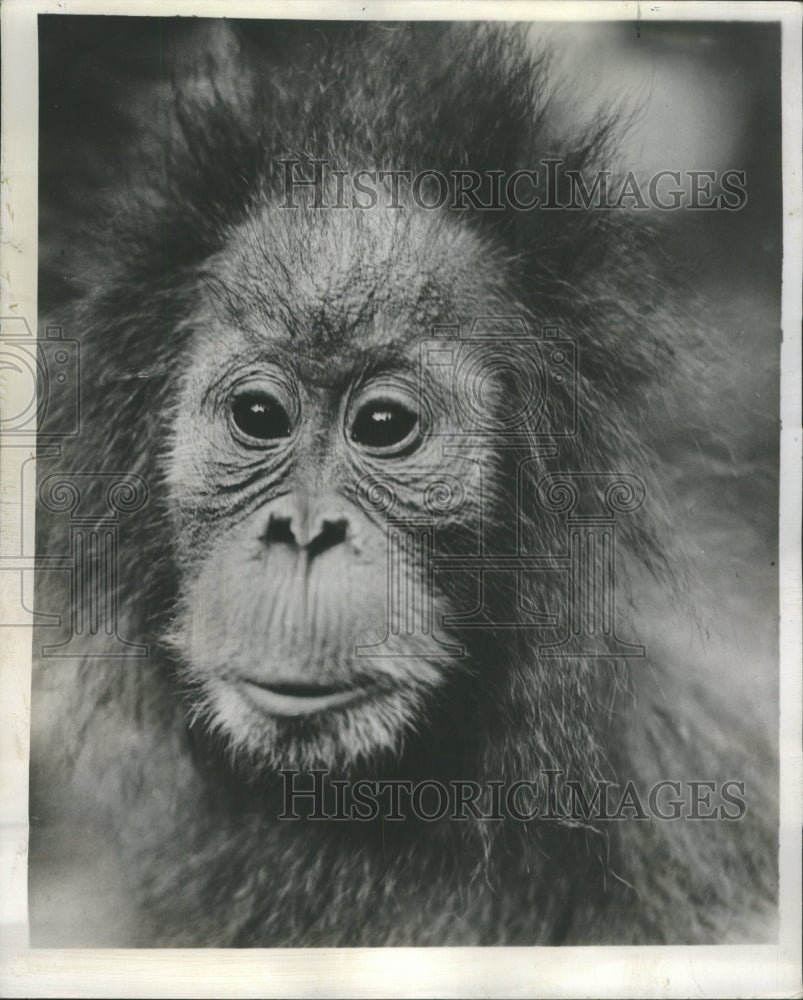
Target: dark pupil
x=260 y=416
x=382 y=425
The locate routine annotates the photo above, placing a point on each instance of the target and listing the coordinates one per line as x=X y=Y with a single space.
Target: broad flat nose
x=312 y=527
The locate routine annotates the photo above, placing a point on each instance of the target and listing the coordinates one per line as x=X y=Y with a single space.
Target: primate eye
x=384 y=426
x=260 y=416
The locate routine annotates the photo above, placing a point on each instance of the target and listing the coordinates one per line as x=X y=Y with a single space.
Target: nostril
x=332 y=533
x=280 y=529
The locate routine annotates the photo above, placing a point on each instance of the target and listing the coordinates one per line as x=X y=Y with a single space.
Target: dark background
x=706 y=95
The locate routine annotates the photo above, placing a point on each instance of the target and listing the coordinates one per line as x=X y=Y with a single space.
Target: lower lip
x=276 y=703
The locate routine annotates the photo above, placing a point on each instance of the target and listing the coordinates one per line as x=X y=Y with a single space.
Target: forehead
x=316 y=282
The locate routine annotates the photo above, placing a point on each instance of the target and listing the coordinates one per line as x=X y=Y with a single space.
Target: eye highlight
x=385 y=426
x=259 y=415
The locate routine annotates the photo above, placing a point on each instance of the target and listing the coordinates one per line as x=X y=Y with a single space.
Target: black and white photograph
x=402 y=500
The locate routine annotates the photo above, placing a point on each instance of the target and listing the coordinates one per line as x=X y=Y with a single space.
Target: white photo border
x=546 y=972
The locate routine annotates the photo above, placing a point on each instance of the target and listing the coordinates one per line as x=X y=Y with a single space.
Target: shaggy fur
x=177 y=841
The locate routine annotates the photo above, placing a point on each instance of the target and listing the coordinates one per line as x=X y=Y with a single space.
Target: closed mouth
x=299 y=699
